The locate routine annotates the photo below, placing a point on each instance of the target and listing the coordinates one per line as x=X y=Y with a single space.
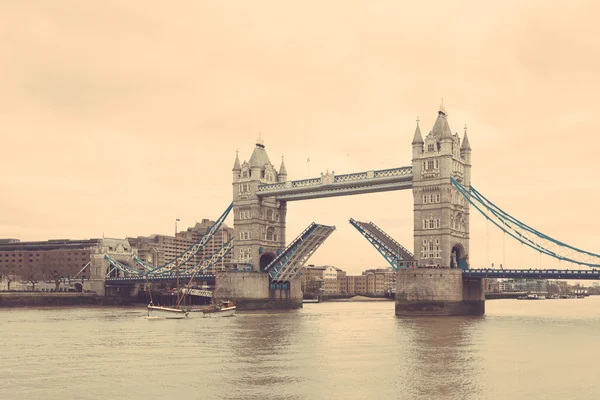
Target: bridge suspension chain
x=183 y=260
x=524 y=233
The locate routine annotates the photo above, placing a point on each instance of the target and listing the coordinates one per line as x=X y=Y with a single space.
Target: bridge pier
x=438 y=292
x=252 y=291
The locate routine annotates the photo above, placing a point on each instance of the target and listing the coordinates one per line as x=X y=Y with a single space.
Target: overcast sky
x=118 y=117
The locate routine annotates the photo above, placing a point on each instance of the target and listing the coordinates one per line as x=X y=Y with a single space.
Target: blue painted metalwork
x=394 y=253
x=288 y=263
x=587 y=274
x=183 y=259
x=524 y=233
x=126 y=269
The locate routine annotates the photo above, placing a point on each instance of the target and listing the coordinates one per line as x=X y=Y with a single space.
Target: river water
x=339 y=350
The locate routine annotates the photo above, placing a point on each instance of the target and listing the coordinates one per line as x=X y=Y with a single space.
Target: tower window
x=430 y=147
x=430 y=164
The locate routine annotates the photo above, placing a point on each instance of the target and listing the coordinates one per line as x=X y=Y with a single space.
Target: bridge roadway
x=591 y=274
x=588 y=274
x=153 y=279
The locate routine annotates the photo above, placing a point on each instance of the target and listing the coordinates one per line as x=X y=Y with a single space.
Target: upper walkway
x=331 y=185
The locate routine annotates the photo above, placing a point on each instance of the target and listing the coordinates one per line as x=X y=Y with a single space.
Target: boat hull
x=166 y=312
x=224 y=312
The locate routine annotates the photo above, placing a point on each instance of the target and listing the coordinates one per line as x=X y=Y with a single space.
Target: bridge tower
x=259 y=222
x=441 y=214
x=441 y=228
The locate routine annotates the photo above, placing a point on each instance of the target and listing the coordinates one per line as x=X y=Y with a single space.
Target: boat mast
x=177 y=260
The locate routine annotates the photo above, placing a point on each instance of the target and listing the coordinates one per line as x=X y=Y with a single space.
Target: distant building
x=160 y=249
x=380 y=281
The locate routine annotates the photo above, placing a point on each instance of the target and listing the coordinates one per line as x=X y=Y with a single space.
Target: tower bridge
x=435 y=279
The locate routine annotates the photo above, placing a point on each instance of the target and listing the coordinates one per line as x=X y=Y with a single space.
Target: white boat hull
x=166 y=312
x=224 y=312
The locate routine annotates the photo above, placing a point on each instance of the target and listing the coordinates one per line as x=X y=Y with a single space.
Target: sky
x=118 y=117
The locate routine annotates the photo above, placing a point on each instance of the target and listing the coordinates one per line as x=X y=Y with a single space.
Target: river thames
x=338 y=350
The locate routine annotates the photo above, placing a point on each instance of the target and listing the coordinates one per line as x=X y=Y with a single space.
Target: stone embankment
x=49 y=299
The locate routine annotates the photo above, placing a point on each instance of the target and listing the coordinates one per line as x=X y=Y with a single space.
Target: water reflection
x=261 y=345
x=442 y=357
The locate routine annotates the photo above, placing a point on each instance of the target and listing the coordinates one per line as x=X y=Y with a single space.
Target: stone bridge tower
x=441 y=229
x=259 y=223
x=441 y=213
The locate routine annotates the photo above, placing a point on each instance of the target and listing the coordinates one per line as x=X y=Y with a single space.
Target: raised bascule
x=434 y=280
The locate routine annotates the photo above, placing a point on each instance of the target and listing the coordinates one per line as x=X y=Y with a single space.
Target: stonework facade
x=259 y=223
x=441 y=213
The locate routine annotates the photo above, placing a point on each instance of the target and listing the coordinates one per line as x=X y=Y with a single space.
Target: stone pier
x=438 y=291
x=250 y=291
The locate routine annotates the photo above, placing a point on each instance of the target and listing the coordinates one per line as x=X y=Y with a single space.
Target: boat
x=531 y=297
x=165 y=312
x=221 y=309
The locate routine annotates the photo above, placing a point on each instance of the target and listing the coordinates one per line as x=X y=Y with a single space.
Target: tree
x=310 y=284
x=9 y=275
x=32 y=276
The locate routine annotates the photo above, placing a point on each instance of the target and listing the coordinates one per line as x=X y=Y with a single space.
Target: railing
x=134 y=279
x=306 y=182
x=533 y=273
x=384 y=173
x=350 y=177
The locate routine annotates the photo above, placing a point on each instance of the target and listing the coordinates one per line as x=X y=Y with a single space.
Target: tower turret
x=465 y=154
x=282 y=175
x=417 y=142
x=237 y=168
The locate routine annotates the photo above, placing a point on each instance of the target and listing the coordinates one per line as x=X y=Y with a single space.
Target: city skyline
x=122 y=140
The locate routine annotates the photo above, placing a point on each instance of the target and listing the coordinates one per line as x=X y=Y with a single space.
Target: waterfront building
x=160 y=249
x=357 y=284
x=342 y=281
x=380 y=281
x=325 y=278
x=58 y=260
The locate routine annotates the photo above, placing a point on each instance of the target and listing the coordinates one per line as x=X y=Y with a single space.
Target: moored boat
x=222 y=309
x=531 y=297
x=165 y=312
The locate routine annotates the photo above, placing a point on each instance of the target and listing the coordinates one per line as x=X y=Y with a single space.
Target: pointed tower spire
x=465 y=142
x=442 y=108
x=282 y=170
x=417 y=139
x=236 y=164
